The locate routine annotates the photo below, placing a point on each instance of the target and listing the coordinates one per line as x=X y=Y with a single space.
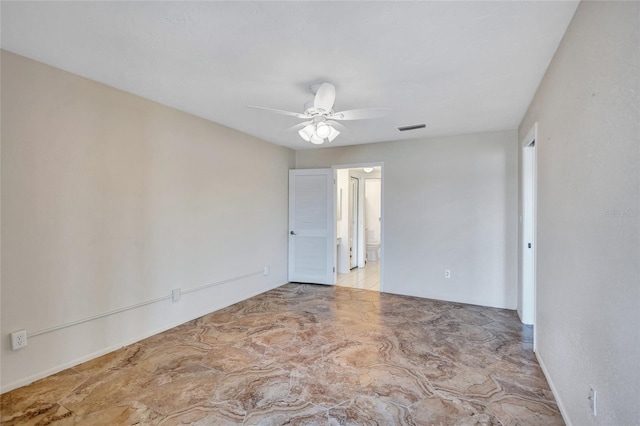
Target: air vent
x=414 y=127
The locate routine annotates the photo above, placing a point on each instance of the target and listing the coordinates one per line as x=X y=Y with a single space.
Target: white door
x=312 y=235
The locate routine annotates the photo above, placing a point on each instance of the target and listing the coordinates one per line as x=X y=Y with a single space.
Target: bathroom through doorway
x=359 y=226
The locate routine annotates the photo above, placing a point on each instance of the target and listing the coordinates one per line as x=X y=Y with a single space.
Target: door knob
x=292 y=233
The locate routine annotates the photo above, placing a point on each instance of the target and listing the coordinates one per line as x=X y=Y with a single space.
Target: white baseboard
x=554 y=390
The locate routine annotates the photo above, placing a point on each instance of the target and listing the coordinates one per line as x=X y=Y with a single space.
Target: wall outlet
x=18 y=339
x=175 y=294
x=593 y=400
x=447 y=273
x=266 y=270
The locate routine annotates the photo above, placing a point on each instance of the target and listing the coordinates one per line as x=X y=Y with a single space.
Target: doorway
x=528 y=247
x=359 y=226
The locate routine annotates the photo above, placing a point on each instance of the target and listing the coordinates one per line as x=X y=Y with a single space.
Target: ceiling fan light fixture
x=307 y=132
x=334 y=134
x=316 y=140
x=323 y=130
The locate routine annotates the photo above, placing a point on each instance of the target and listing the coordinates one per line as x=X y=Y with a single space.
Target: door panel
x=312 y=241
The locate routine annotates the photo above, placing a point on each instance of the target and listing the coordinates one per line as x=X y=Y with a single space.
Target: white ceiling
x=459 y=67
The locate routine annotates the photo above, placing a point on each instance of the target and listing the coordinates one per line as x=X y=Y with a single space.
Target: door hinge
x=334 y=269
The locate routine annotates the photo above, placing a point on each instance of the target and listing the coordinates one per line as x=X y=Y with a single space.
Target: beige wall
x=448 y=202
x=109 y=200
x=588 y=271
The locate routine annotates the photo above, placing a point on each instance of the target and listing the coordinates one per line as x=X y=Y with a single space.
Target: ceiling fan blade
x=337 y=125
x=279 y=111
x=325 y=97
x=359 y=114
x=298 y=126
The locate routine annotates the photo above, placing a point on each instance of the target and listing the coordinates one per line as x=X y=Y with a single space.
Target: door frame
x=355 y=234
x=528 y=255
x=380 y=164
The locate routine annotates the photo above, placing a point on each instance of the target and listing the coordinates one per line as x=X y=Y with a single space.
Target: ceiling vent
x=413 y=127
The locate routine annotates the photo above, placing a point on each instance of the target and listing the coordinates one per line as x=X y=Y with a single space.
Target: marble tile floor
x=367 y=278
x=308 y=355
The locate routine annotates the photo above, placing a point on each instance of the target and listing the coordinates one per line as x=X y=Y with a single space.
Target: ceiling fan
x=321 y=125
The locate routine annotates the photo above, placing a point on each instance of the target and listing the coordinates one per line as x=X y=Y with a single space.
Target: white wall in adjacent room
x=110 y=200
x=372 y=204
x=449 y=203
x=342 y=220
x=588 y=257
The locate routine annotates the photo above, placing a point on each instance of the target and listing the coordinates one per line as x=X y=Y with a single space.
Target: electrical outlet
x=447 y=273
x=18 y=339
x=266 y=270
x=175 y=294
x=593 y=400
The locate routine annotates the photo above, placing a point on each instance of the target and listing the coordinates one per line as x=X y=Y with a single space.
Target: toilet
x=373 y=246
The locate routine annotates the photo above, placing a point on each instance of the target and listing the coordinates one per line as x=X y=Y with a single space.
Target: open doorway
x=528 y=246
x=359 y=226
